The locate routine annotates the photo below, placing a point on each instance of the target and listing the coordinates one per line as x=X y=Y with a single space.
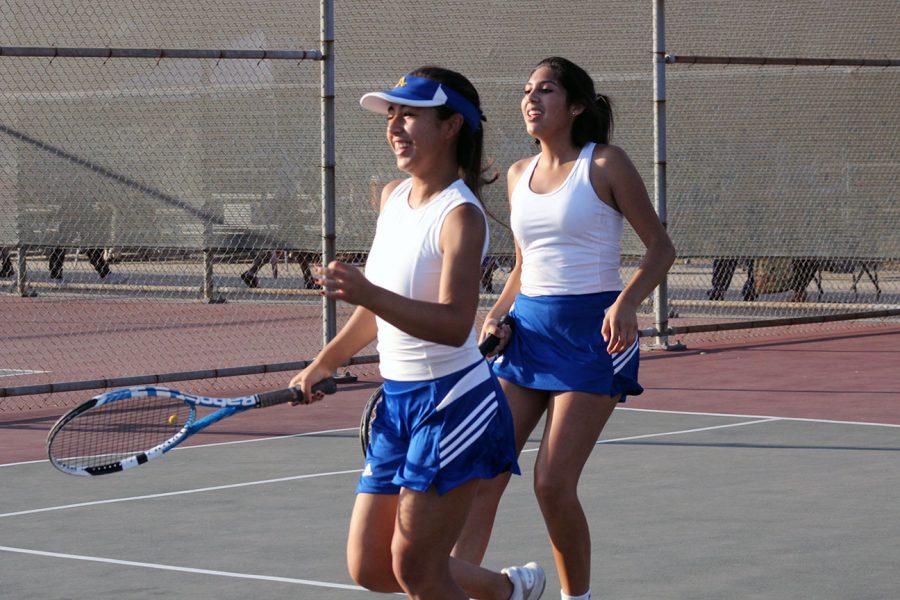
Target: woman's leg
x=55 y=260
x=427 y=527
x=95 y=257
x=6 y=268
x=249 y=276
x=407 y=539
x=369 y=542
x=527 y=406
x=574 y=423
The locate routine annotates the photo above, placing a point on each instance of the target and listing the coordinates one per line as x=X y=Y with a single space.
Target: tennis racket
x=128 y=427
x=371 y=409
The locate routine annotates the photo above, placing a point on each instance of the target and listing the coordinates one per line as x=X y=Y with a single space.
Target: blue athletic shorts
x=441 y=432
x=557 y=345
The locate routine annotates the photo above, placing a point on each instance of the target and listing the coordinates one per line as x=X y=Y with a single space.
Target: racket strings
x=373 y=416
x=370 y=413
x=109 y=433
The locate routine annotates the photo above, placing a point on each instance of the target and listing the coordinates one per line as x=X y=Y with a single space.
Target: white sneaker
x=528 y=581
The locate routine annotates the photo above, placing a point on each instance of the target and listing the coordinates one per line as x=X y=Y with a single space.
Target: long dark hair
x=470 y=144
x=595 y=123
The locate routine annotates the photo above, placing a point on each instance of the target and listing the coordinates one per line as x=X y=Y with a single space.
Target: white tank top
x=570 y=239
x=406 y=258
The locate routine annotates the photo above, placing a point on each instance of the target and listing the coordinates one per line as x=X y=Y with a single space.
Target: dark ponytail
x=595 y=123
x=470 y=144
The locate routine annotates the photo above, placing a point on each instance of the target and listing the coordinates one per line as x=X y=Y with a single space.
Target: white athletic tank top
x=406 y=259
x=570 y=239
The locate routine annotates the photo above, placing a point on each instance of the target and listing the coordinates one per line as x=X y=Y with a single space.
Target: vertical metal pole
x=329 y=314
x=22 y=275
x=660 y=294
x=208 y=291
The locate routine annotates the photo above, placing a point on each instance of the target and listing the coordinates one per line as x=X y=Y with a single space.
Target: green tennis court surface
x=783 y=499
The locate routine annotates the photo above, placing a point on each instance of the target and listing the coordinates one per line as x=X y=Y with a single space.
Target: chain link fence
x=139 y=192
x=783 y=200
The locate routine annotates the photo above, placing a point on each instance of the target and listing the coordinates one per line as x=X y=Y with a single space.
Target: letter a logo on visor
x=422 y=92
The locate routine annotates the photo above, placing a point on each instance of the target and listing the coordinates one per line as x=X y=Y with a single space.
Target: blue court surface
x=681 y=505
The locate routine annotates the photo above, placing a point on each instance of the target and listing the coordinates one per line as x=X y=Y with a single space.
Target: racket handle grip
x=293 y=394
x=491 y=341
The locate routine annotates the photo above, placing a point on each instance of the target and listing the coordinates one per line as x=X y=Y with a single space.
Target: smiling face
x=417 y=137
x=545 y=106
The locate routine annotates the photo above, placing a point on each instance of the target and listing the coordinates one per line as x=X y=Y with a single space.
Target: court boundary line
x=724 y=426
x=650 y=435
x=261 y=439
x=191 y=570
x=212 y=488
x=648 y=410
x=801 y=419
x=315 y=475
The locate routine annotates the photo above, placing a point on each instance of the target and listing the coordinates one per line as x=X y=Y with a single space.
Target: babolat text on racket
x=128 y=427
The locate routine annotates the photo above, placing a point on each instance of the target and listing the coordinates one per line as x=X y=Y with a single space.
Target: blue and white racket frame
x=227 y=407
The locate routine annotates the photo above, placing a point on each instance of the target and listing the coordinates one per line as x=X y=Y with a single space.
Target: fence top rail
x=893 y=311
x=775 y=60
x=157 y=53
x=116 y=382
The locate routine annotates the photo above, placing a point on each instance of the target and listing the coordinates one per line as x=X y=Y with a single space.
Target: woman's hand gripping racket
x=489 y=344
x=128 y=427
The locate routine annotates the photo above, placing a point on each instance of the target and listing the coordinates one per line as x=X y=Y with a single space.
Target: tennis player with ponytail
x=574 y=354
x=443 y=423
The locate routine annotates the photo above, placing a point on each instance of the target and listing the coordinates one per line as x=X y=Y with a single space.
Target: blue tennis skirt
x=441 y=432
x=558 y=346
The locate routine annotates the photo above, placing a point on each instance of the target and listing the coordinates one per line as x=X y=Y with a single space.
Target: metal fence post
x=329 y=313
x=22 y=275
x=661 y=293
x=208 y=289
